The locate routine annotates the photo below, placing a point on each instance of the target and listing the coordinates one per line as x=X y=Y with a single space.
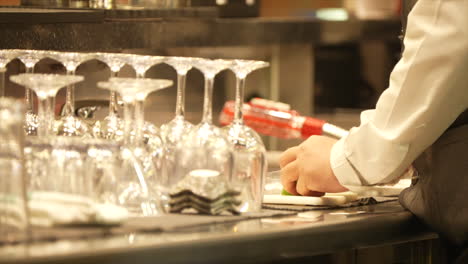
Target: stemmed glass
x=5 y=57
x=66 y=165
x=40 y=153
x=205 y=147
x=137 y=189
x=30 y=58
x=111 y=127
x=177 y=127
x=249 y=152
x=141 y=64
x=46 y=87
x=69 y=124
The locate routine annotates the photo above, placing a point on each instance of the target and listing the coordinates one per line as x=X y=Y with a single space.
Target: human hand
x=306 y=170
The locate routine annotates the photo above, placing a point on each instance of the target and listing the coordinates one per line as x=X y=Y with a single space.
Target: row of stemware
x=236 y=151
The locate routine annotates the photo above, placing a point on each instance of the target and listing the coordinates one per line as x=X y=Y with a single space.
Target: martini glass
x=69 y=124
x=46 y=87
x=137 y=188
x=144 y=133
x=249 y=151
x=6 y=56
x=112 y=126
x=205 y=147
x=141 y=64
x=30 y=58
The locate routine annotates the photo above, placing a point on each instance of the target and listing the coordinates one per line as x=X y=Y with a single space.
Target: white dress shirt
x=428 y=90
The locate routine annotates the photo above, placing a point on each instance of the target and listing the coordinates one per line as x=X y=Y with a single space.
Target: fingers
x=290 y=172
x=288 y=156
x=301 y=188
x=290 y=187
x=289 y=176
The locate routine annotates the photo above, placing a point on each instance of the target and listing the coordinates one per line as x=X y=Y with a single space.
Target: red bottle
x=276 y=119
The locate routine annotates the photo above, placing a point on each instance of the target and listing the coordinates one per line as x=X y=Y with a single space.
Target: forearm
x=427 y=91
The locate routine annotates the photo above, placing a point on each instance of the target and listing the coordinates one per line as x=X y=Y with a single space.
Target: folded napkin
x=58 y=209
x=334 y=204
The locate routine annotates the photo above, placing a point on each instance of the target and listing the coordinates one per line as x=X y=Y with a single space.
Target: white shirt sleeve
x=428 y=90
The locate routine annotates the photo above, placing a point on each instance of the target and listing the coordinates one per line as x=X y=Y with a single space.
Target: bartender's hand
x=305 y=169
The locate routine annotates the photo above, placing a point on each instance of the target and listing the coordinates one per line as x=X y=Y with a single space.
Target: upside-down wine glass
x=249 y=151
x=146 y=132
x=141 y=64
x=46 y=87
x=112 y=126
x=178 y=126
x=137 y=189
x=205 y=147
x=69 y=124
x=30 y=58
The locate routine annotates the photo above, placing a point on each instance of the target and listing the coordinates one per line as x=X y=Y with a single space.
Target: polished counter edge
x=251 y=241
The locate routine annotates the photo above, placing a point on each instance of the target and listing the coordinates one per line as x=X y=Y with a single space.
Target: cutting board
x=331 y=199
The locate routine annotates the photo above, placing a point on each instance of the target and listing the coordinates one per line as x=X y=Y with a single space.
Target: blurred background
x=333 y=75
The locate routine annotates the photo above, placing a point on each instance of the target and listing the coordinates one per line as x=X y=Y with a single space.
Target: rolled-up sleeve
x=428 y=90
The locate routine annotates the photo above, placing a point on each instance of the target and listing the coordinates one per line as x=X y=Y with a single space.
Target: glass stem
x=129 y=114
x=45 y=114
x=28 y=94
x=208 y=101
x=53 y=100
x=140 y=74
x=240 y=86
x=70 y=97
x=2 y=82
x=140 y=121
x=180 y=103
x=113 y=99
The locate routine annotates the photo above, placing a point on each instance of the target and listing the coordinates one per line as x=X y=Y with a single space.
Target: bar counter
x=262 y=240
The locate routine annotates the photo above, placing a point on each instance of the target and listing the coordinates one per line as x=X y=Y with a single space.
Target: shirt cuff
x=342 y=168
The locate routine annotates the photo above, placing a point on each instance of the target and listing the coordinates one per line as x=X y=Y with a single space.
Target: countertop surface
x=255 y=240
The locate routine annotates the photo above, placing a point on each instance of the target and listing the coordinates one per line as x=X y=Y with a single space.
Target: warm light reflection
x=333 y=14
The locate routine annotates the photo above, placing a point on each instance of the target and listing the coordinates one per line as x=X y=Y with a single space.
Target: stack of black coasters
x=206 y=192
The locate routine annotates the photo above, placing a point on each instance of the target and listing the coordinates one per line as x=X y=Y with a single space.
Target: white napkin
x=53 y=209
